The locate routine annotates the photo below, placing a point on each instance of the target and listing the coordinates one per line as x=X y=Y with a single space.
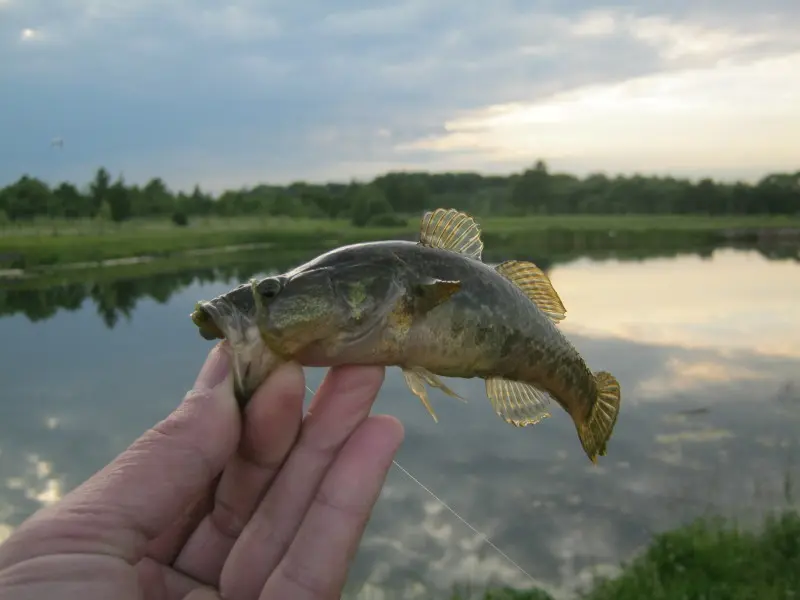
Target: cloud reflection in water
x=710 y=414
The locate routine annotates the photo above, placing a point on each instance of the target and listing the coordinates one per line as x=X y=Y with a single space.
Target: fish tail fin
x=595 y=432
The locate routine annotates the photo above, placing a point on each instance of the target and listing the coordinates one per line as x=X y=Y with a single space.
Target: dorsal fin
x=536 y=285
x=449 y=229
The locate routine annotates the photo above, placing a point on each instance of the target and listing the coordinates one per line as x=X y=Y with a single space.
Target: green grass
x=47 y=246
x=637 y=222
x=709 y=559
x=60 y=242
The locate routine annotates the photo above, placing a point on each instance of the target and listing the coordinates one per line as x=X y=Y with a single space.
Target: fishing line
x=483 y=536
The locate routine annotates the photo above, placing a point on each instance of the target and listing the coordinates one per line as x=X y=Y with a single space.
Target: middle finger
x=272 y=420
x=341 y=404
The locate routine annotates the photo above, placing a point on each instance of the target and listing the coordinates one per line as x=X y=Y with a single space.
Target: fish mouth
x=203 y=318
x=221 y=318
x=231 y=318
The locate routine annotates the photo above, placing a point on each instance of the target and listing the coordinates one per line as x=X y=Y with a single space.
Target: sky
x=232 y=94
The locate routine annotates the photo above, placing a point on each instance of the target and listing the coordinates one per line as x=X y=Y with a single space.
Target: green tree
x=73 y=203
x=531 y=192
x=368 y=201
x=99 y=190
x=104 y=212
x=201 y=203
x=405 y=192
x=535 y=190
x=156 y=199
x=27 y=198
x=119 y=201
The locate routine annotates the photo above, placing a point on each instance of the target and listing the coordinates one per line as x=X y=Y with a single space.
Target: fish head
x=317 y=314
x=293 y=311
x=310 y=315
x=233 y=317
x=228 y=316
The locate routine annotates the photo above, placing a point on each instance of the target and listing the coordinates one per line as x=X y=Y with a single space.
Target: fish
x=431 y=307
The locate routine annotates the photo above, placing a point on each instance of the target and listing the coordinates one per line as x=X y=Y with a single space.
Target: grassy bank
x=57 y=243
x=706 y=560
x=30 y=247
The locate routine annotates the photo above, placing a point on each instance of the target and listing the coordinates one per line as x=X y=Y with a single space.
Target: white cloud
x=738 y=115
x=689 y=40
x=594 y=23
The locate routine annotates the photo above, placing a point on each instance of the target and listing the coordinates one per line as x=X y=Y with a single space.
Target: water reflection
x=747 y=300
x=537 y=498
x=116 y=292
x=705 y=350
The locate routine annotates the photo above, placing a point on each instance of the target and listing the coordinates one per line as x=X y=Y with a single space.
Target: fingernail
x=214 y=370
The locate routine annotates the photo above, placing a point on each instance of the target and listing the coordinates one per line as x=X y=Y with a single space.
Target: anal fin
x=417 y=377
x=517 y=403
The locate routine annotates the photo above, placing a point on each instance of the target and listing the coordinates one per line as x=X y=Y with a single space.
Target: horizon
x=82 y=184
x=238 y=95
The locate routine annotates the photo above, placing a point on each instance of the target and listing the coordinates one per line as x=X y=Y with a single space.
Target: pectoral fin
x=417 y=377
x=430 y=292
x=517 y=403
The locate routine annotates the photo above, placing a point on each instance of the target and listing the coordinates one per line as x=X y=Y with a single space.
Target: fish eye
x=270 y=287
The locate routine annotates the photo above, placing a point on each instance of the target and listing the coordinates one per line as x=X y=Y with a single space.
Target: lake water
x=707 y=350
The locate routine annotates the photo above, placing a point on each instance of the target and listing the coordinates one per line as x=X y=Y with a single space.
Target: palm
x=273 y=508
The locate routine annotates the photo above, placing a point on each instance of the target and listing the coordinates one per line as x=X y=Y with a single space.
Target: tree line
x=384 y=199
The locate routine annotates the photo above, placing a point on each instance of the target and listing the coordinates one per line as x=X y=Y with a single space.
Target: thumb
x=141 y=492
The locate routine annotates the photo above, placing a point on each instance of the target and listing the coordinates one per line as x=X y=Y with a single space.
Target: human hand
x=207 y=505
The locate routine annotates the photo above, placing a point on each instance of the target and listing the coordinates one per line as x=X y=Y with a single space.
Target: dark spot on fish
x=457 y=327
x=509 y=345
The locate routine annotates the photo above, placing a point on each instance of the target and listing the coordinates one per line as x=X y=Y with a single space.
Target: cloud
x=240 y=92
x=734 y=116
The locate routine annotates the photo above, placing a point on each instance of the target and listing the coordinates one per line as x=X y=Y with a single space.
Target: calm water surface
x=707 y=351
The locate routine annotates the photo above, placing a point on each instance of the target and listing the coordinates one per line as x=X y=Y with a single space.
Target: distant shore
x=58 y=245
